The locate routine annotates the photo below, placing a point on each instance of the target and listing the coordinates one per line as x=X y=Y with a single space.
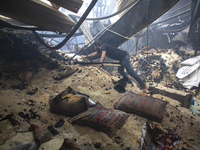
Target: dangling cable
x=73 y=30
x=147 y=28
x=109 y=16
x=147 y=31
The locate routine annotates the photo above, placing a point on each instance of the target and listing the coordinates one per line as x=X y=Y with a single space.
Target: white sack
x=190 y=62
x=189 y=72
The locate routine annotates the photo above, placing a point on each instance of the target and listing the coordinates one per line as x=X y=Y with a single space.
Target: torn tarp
x=189 y=72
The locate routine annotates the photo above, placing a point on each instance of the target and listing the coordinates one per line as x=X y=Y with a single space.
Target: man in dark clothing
x=117 y=54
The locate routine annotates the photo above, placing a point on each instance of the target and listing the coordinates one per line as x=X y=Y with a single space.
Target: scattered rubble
x=29 y=101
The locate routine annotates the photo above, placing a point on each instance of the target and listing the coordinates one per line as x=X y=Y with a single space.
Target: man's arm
x=90 y=55
x=103 y=55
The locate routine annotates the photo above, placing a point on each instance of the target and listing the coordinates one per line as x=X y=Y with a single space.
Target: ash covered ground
x=28 y=102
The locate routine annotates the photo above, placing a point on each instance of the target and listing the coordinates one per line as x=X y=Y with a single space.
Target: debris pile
x=160 y=65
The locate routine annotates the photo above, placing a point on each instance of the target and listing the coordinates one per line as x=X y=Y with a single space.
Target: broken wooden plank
x=185 y=100
x=36 y=13
x=72 y=5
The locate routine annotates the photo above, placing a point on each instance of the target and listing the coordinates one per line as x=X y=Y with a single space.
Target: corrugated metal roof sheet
x=38 y=13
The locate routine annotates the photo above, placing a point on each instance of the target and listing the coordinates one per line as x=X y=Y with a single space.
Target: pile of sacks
x=71 y=103
x=83 y=112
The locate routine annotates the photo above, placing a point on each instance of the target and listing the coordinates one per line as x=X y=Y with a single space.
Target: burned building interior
x=51 y=98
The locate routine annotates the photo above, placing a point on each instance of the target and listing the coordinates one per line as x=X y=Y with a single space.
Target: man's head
x=98 y=44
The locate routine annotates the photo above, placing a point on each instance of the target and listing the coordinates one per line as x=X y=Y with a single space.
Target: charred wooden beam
x=36 y=13
x=72 y=5
x=185 y=100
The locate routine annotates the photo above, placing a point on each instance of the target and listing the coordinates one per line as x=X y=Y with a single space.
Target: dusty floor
x=34 y=109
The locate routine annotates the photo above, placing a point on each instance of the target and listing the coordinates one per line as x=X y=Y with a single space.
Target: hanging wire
x=109 y=16
x=72 y=31
x=147 y=29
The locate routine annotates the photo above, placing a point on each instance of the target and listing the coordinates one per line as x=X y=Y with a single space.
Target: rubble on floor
x=27 y=101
